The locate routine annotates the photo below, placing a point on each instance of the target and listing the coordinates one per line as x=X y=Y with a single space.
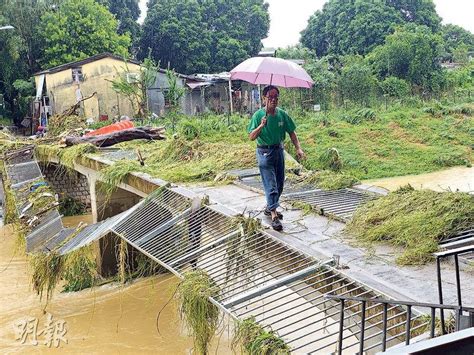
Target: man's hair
x=267 y=88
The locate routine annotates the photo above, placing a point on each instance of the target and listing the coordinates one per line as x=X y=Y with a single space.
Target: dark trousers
x=271 y=163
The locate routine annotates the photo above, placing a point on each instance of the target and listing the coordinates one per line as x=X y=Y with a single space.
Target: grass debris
x=201 y=316
x=69 y=155
x=59 y=125
x=415 y=220
x=113 y=175
x=240 y=259
x=47 y=272
x=80 y=269
x=250 y=338
x=326 y=179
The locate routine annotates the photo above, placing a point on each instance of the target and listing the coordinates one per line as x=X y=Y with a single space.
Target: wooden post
x=230 y=97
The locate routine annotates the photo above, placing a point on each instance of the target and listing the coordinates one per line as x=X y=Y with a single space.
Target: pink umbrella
x=272 y=71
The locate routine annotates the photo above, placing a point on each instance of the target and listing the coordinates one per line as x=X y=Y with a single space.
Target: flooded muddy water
x=111 y=319
x=453 y=179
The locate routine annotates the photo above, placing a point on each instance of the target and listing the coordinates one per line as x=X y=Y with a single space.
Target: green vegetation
x=80 y=269
x=250 y=338
x=63 y=125
x=413 y=220
x=326 y=179
x=203 y=37
x=65 y=39
x=365 y=25
x=199 y=313
x=71 y=207
x=357 y=144
x=47 y=270
x=136 y=90
x=66 y=156
x=449 y=324
x=113 y=175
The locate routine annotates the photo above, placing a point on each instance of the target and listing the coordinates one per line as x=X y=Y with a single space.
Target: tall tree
x=421 y=12
x=357 y=26
x=204 y=35
x=456 y=37
x=411 y=53
x=174 y=32
x=127 y=13
x=79 y=29
x=19 y=47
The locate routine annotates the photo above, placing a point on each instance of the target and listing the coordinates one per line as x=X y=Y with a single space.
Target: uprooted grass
x=68 y=156
x=59 y=125
x=449 y=324
x=201 y=316
x=415 y=220
x=240 y=258
x=113 y=175
x=80 y=269
x=326 y=179
x=250 y=338
x=180 y=160
x=47 y=272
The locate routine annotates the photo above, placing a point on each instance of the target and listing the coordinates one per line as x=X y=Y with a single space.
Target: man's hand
x=264 y=121
x=300 y=155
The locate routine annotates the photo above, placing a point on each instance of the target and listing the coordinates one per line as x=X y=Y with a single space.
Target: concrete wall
x=68 y=184
x=156 y=97
x=62 y=90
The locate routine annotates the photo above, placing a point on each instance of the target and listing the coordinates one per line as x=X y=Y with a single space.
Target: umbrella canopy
x=272 y=71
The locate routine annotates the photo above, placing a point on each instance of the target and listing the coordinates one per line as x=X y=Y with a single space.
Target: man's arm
x=299 y=152
x=256 y=132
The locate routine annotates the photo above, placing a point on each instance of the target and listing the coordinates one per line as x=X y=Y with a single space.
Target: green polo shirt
x=274 y=131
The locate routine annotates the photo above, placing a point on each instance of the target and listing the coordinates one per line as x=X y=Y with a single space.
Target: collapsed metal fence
x=339 y=204
x=257 y=274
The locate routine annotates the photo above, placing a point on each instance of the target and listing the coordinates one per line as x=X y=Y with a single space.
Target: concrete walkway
x=323 y=238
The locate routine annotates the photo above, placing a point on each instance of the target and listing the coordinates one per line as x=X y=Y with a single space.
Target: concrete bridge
x=279 y=278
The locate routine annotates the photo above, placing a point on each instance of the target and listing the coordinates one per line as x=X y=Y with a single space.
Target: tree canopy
x=204 y=35
x=77 y=30
x=456 y=38
x=357 y=26
x=127 y=13
x=411 y=53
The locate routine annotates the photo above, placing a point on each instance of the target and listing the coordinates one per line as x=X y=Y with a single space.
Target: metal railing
x=468 y=321
x=409 y=327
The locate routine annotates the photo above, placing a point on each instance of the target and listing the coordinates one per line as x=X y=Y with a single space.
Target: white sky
x=289 y=17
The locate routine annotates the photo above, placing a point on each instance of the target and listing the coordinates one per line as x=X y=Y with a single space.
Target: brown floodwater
x=111 y=319
x=453 y=179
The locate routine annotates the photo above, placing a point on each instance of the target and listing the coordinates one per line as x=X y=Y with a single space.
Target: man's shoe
x=268 y=213
x=276 y=224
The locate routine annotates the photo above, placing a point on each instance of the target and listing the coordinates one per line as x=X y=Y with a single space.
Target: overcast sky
x=289 y=17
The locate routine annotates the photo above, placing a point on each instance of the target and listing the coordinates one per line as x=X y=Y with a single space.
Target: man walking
x=269 y=127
